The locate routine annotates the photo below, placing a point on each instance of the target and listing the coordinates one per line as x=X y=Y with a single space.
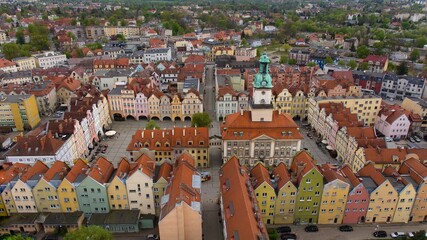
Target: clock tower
x=261 y=106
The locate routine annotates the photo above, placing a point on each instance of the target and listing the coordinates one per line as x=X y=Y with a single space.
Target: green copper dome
x=263 y=78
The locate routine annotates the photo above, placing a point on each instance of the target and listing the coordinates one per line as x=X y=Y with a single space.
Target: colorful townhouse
x=264 y=192
x=46 y=190
x=67 y=193
x=22 y=191
x=139 y=185
x=116 y=190
x=7 y=179
x=241 y=216
x=309 y=181
x=92 y=191
x=383 y=197
x=181 y=213
x=357 y=199
x=414 y=171
x=161 y=181
x=334 y=195
x=406 y=192
x=285 y=195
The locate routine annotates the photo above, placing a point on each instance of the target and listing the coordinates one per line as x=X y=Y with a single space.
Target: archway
x=166 y=118
x=155 y=118
x=220 y=119
x=130 y=117
x=177 y=118
x=187 y=118
x=144 y=118
x=118 y=117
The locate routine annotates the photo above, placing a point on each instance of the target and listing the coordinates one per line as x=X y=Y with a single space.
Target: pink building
x=393 y=123
x=357 y=200
x=141 y=105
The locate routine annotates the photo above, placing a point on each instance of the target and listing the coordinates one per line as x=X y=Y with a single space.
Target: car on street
x=388 y=139
x=411 y=234
x=411 y=139
x=380 y=234
x=284 y=229
x=397 y=234
x=417 y=139
x=346 y=228
x=152 y=237
x=288 y=236
x=311 y=228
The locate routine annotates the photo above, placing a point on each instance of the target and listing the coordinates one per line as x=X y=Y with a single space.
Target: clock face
x=264 y=83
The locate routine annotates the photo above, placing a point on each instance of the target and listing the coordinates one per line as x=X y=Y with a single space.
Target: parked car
x=411 y=234
x=417 y=139
x=388 y=139
x=311 y=228
x=288 y=236
x=152 y=237
x=411 y=139
x=380 y=234
x=346 y=228
x=397 y=234
x=284 y=229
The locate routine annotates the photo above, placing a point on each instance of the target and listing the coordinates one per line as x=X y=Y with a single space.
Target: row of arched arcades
x=120 y=117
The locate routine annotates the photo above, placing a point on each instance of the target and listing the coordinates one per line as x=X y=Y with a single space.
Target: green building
x=309 y=181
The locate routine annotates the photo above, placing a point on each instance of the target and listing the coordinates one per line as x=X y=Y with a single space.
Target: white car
x=397 y=234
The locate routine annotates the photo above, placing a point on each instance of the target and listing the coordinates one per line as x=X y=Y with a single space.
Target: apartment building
x=19 y=112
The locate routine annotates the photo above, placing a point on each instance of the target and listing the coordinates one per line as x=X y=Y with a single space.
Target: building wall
x=117 y=194
x=140 y=193
x=3 y=210
x=285 y=204
x=181 y=223
x=67 y=196
x=266 y=198
x=404 y=205
x=310 y=187
x=46 y=197
x=8 y=200
x=92 y=197
x=23 y=197
x=28 y=63
x=397 y=129
x=382 y=204
x=334 y=198
x=419 y=209
x=159 y=189
x=357 y=205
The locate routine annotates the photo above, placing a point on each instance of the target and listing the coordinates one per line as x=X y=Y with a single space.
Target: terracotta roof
x=331 y=173
x=240 y=127
x=227 y=89
x=164 y=172
x=361 y=132
x=59 y=169
x=6 y=63
x=122 y=169
x=144 y=164
x=185 y=157
x=369 y=170
x=385 y=155
x=39 y=145
x=70 y=84
x=376 y=58
x=416 y=170
x=259 y=175
x=348 y=173
x=101 y=170
x=302 y=164
x=80 y=167
x=38 y=168
x=193 y=58
x=240 y=218
x=181 y=188
x=7 y=174
x=281 y=175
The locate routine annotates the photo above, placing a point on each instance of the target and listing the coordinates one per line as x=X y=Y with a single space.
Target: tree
x=201 y=120
x=311 y=64
x=362 y=51
x=420 y=235
x=91 y=232
x=292 y=61
x=120 y=37
x=151 y=125
x=283 y=59
x=73 y=22
x=244 y=42
x=17 y=237
x=402 y=69
x=352 y=64
x=286 y=47
x=341 y=63
x=415 y=54
x=20 y=37
x=71 y=35
x=328 y=60
x=13 y=50
x=123 y=23
x=363 y=66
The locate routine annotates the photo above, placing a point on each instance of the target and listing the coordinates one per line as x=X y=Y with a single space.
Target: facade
x=264 y=192
x=393 y=123
x=377 y=63
x=7 y=203
x=161 y=181
x=46 y=190
x=19 y=112
x=157 y=54
x=7 y=66
x=92 y=191
x=116 y=190
x=180 y=215
x=22 y=77
x=67 y=193
x=286 y=195
x=417 y=106
x=400 y=87
x=49 y=59
x=71 y=221
x=334 y=195
x=25 y=63
x=309 y=181
x=241 y=216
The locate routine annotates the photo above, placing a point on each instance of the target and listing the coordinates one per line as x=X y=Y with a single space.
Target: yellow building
x=299 y=105
x=417 y=106
x=19 y=112
x=176 y=108
x=45 y=191
x=67 y=189
x=286 y=196
x=25 y=63
x=334 y=196
x=161 y=181
x=366 y=107
x=383 y=196
x=8 y=175
x=264 y=192
x=283 y=99
x=116 y=190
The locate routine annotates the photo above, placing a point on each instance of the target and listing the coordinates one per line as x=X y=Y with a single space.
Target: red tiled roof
x=376 y=58
x=281 y=175
x=385 y=155
x=305 y=161
x=260 y=174
x=6 y=63
x=38 y=168
x=80 y=167
x=369 y=170
x=416 y=170
x=60 y=168
x=7 y=174
x=164 y=172
x=145 y=164
x=101 y=170
x=349 y=174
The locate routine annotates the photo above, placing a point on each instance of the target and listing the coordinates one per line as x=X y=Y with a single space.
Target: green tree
x=363 y=66
x=352 y=64
x=402 y=69
x=341 y=63
x=91 y=232
x=286 y=47
x=45 y=16
x=391 y=67
x=244 y=42
x=283 y=59
x=120 y=37
x=415 y=54
x=71 y=35
x=329 y=60
x=123 y=23
x=74 y=22
x=13 y=50
x=95 y=45
x=362 y=51
x=17 y=237
x=420 y=235
x=311 y=64
x=201 y=120
x=20 y=37
x=152 y=125
x=292 y=61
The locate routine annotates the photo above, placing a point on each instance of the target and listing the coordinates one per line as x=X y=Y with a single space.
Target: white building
x=25 y=63
x=157 y=54
x=399 y=87
x=49 y=59
x=7 y=66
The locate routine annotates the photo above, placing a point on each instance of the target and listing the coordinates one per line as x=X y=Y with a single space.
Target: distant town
x=213 y=120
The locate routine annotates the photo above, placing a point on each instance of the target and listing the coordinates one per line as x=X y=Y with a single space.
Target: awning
x=110 y=133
